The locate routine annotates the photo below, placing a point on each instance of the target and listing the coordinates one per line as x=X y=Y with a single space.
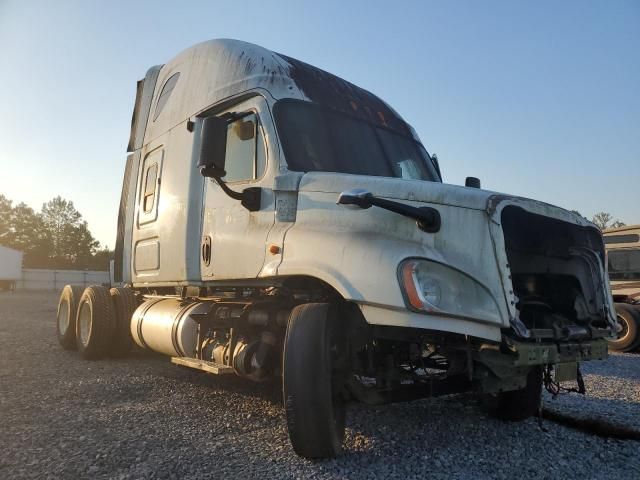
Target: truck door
x=233 y=238
x=146 y=255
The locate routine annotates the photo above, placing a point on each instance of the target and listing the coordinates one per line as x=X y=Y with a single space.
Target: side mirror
x=472 y=182
x=213 y=147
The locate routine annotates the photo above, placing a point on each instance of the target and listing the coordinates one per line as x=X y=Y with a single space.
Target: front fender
x=358 y=252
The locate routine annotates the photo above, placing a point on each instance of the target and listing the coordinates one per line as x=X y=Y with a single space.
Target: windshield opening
x=317 y=139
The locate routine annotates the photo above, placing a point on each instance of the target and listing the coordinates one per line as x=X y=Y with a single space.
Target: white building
x=10 y=267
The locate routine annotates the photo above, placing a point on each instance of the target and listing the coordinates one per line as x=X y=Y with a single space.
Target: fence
x=36 y=279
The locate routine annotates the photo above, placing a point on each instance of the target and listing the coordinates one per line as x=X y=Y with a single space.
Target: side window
x=246 y=156
x=150 y=183
x=168 y=87
x=149 y=188
x=629 y=238
x=624 y=264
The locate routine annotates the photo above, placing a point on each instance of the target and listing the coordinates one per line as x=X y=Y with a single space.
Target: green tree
x=21 y=228
x=56 y=237
x=101 y=259
x=6 y=210
x=29 y=235
x=71 y=241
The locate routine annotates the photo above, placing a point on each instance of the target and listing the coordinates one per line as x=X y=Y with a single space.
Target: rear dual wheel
x=95 y=323
x=66 y=316
x=313 y=381
x=95 y=320
x=124 y=303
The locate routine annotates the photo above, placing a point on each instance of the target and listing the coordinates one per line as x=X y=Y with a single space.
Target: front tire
x=313 y=381
x=95 y=323
x=66 y=316
x=517 y=405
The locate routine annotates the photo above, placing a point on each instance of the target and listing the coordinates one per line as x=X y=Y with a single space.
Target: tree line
x=603 y=220
x=56 y=237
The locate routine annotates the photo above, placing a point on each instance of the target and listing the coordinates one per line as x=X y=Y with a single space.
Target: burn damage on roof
x=331 y=91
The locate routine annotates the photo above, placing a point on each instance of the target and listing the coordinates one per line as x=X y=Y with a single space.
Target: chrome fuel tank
x=165 y=325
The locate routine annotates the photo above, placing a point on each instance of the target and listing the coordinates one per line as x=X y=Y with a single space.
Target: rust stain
x=334 y=92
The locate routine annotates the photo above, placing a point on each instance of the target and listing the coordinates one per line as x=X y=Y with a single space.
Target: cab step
x=210 y=367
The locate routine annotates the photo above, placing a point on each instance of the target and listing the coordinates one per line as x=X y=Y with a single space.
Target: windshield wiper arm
x=427 y=218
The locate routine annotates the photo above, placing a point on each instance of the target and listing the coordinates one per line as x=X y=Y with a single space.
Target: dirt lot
x=62 y=417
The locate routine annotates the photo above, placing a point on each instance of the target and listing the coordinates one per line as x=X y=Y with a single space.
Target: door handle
x=206 y=250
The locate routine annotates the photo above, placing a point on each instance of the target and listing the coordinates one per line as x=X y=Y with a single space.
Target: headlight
x=433 y=287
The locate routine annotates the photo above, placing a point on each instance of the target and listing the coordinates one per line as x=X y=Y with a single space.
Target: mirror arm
x=231 y=193
x=250 y=197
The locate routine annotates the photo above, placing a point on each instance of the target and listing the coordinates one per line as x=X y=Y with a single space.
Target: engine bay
x=555 y=269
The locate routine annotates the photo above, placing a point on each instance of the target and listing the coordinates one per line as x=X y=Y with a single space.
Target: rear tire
x=628 y=338
x=95 y=323
x=636 y=308
x=517 y=405
x=124 y=304
x=312 y=385
x=66 y=316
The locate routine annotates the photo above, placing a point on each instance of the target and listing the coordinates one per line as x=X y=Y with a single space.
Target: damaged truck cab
x=277 y=220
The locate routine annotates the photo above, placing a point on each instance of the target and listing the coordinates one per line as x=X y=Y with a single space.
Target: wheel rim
x=84 y=323
x=63 y=319
x=624 y=327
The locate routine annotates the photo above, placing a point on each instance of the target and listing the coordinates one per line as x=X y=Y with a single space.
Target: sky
x=539 y=99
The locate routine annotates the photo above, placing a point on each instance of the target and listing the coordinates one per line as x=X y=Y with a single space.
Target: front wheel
x=517 y=405
x=313 y=380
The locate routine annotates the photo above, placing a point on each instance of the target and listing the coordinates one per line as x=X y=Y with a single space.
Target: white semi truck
x=277 y=220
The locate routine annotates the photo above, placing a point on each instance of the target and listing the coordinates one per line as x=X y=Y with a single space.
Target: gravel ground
x=613 y=393
x=61 y=417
